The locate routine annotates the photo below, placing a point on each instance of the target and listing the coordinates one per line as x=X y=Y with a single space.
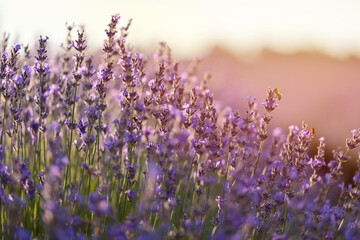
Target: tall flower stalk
x=11 y=69
x=80 y=47
x=4 y=90
x=270 y=104
x=104 y=76
x=42 y=68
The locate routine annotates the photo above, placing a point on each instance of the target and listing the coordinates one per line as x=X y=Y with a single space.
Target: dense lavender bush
x=135 y=149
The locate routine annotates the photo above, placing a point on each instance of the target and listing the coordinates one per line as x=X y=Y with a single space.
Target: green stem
x=81 y=179
x=108 y=169
x=226 y=174
x=68 y=169
x=285 y=217
x=44 y=150
x=18 y=142
x=98 y=141
x=155 y=220
x=97 y=146
x=213 y=232
x=328 y=190
x=38 y=148
x=3 y=125
x=340 y=225
x=260 y=149
x=77 y=166
x=22 y=144
x=257 y=157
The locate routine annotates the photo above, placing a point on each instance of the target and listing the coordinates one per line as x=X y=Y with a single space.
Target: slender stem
x=77 y=165
x=155 y=220
x=284 y=216
x=22 y=143
x=41 y=83
x=340 y=225
x=81 y=179
x=18 y=144
x=260 y=149
x=257 y=157
x=44 y=150
x=97 y=146
x=226 y=174
x=98 y=140
x=68 y=169
x=3 y=125
x=328 y=190
x=213 y=232
x=88 y=149
x=38 y=148
x=108 y=169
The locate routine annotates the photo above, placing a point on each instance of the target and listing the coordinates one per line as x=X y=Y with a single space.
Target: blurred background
x=308 y=49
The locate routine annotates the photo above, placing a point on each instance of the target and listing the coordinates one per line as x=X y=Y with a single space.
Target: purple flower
x=16 y=47
x=98 y=204
x=92 y=114
x=27 y=70
x=5 y=55
x=115 y=17
x=130 y=194
x=69 y=124
x=116 y=232
x=329 y=235
x=25 y=173
x=88 y=139
x=41 y=176
x=270 y=105
x=84 y=165
x=105 y=75
x=353 y=142
x=317 y=163
x=22 y=234
x=42 y=51
x=276 y=236
x=112 y=144
x=82 y=125
x=131 y=137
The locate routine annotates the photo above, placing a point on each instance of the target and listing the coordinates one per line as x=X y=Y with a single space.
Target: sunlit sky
x=190 y=27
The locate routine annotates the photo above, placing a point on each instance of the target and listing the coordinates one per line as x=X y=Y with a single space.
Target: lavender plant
x=138 y=150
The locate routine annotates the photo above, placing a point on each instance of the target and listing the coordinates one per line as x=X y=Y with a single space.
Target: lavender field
x=137 y=148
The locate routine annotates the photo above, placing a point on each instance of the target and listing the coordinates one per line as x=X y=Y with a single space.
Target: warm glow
x=190 y=27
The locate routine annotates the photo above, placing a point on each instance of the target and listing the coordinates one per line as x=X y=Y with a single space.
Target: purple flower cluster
x=134 y=148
